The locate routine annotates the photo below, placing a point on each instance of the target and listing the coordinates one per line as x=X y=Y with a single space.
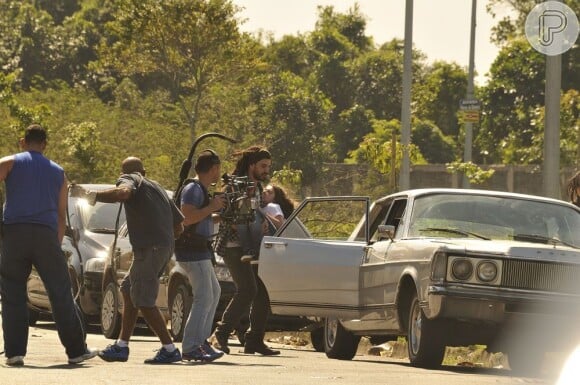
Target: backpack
x=190 y=240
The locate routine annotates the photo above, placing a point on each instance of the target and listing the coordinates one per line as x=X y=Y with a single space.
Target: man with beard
x=251 y=295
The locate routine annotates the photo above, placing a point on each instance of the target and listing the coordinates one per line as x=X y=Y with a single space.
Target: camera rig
x=240 y=206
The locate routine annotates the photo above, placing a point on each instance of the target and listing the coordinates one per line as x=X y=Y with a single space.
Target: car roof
x=413 y=193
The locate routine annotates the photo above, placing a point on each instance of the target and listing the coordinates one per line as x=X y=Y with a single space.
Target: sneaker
x=206 y=346
x=200 y=354
x=15 y=361
x=165 y=357
x=221 y=343
x=115 y=353
x=89 y=353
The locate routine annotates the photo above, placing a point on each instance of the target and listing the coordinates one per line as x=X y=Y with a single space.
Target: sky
x=441 y=28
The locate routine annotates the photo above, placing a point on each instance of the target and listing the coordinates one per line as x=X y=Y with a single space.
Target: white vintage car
x=442 y=267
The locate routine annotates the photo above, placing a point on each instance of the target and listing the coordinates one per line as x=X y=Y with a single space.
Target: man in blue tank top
x=35 y=209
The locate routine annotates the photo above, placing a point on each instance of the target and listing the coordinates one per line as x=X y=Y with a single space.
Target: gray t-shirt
x=151 y=214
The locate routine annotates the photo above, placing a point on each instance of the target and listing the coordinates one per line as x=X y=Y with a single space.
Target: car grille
x=542 y=276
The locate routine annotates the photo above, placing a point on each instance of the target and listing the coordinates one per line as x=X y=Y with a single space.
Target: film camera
x=240 y=206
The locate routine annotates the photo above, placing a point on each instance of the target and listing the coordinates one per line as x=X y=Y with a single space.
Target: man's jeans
x=206 y=295
x=250 y=295
x=25 y=245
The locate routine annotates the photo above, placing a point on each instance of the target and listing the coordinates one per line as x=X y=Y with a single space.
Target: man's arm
x=62 y=203
x=116 y=194
x=6 y=166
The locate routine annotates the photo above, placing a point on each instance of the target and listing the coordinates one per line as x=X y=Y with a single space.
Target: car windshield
x=101 y=217
x=494 y=217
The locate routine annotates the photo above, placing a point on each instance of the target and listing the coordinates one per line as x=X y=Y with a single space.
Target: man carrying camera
x=194 y=254
x=251 y=295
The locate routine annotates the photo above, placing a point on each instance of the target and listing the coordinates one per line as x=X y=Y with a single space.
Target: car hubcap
x=108 y=310
x=415 y=334
x=331 y=329
x=177 y=313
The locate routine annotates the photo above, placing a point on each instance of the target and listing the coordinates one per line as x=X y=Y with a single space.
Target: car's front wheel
x=425 y=343
x=180 y=304
x=339 y=343
x=110 y=316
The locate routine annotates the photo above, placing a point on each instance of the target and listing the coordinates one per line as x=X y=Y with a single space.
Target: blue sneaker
x=165 y=357
x=200 y=354
x=115 y=353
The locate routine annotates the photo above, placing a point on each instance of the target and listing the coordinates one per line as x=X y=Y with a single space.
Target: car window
x=494 y=217
x=101 y=217
x=326 y=219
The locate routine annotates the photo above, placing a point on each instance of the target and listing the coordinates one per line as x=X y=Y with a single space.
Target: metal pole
x=551 y=172
x=468 y=125
x=404 y=177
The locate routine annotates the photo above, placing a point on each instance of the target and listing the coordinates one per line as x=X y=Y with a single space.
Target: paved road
x=45 y=364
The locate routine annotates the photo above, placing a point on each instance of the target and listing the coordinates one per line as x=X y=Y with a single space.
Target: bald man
x=153 y=222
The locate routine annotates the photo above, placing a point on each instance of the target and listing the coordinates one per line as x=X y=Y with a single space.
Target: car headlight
x=462 y=269
x=222 y=273
x=487 y=271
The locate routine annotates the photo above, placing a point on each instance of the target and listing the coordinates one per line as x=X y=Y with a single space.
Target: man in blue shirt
x=35 y=209
x=196 y=255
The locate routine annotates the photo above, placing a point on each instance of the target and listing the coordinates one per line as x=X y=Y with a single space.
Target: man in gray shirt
x=153 y=222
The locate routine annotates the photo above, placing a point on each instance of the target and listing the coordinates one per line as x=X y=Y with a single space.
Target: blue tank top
x=32 y=190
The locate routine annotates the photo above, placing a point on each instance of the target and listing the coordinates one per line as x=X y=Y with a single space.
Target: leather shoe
x=221 y=343
x=260 y=349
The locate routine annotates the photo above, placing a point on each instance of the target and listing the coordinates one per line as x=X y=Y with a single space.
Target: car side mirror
x=386 y=231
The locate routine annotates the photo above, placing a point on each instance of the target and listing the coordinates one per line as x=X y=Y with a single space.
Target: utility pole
x=467 y=150
x=405 y=177
x=551 y=166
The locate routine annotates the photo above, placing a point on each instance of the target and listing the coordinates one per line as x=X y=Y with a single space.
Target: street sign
x=469 y=105
x=471 y=116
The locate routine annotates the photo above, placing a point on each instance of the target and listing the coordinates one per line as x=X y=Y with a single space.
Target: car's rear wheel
x=180 y=301
x=110 y=316
x=425 y=343
x=317 y=339
x=339 y=343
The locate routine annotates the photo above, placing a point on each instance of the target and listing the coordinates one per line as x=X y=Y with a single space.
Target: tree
x=438 y=95
x=292 y=120
x=185 y=45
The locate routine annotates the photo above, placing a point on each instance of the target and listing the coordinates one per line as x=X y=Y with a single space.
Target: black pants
x=250 y=295
x=25 y=245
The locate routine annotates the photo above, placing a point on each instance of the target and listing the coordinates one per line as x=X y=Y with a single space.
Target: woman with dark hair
x=276 y=204
x=574 y=189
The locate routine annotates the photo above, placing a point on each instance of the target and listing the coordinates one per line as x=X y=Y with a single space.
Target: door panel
x=310 y=267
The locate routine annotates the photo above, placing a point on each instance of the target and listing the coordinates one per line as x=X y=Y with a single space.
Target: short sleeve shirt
x=151 y=214
x=193 y=194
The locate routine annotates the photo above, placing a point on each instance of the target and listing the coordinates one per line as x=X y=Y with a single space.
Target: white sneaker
x=15 y=361
x=90 y=353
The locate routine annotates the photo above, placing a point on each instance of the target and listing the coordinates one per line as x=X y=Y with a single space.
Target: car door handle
x=268 y=245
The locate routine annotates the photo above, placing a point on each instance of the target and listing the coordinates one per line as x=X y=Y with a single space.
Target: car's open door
x=311 y=266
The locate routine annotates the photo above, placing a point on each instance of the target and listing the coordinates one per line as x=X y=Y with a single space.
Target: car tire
x=339 y=343
x=425 y=343
x=317 y=339
x=110 y=315
x=180 y=301
x=33 y=317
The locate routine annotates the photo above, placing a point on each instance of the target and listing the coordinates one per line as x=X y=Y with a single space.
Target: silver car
x=440 y=267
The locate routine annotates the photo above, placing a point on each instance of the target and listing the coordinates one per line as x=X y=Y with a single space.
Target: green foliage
x=433 y=144
x=473 y=172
